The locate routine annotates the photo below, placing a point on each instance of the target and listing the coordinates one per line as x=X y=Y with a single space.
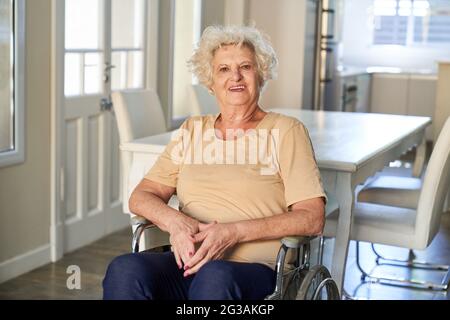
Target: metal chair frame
x=301 y=266
x=410 y=263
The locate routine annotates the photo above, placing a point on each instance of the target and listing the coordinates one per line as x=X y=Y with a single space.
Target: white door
x=104 y=50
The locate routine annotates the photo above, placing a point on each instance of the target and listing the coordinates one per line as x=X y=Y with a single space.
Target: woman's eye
x=223 y=69
x=246 y=67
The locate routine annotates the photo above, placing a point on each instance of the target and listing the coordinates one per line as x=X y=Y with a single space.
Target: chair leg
x=367 y=277
x=411 y=262
x=411 y=256
x=364 y=274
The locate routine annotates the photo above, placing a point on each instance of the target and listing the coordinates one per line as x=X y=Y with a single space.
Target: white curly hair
x=214 y=37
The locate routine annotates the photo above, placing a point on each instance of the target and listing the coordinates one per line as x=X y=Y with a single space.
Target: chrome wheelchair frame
x=296 y=281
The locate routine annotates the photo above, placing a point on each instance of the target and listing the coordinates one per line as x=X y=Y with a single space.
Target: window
x=12 y=30
x=411 y=22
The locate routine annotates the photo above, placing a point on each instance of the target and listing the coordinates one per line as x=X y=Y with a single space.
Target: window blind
x=410 y=22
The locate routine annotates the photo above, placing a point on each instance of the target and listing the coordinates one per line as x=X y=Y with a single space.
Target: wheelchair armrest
x=294 y=242
x=141 y=224
x=137 y=220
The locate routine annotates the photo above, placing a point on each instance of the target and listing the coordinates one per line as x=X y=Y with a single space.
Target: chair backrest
x=442 y=110
x=204 y=102
x=434 y=188
x=138 y=114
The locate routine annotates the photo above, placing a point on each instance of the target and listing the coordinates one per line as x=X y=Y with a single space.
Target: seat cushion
x=380 y=224
x=392 y=191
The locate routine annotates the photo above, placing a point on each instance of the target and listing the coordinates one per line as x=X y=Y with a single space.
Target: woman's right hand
x=181 y=238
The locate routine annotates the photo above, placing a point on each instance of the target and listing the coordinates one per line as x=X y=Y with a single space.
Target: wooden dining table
x=349 y=148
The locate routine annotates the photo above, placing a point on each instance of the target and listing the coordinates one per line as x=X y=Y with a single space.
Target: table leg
x=419 y=161
x=344 y=193
x=447 y=201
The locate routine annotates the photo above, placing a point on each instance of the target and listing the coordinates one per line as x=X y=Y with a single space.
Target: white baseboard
x=23 y=263
x=56 y=242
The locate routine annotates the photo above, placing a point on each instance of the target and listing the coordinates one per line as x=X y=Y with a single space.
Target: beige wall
x=163 y=54
x=182 y=78
x=213 y=12
x=25 y=188
x=284 y=22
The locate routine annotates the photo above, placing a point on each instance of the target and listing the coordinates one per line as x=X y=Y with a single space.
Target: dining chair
x=412 y=228
x=139 y=114
x=392 y=188
x=203 y=102
x=398 y=191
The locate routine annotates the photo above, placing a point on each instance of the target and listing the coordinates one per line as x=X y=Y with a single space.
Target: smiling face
x=235 y=77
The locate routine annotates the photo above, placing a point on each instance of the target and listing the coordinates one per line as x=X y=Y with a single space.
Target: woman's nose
x=236 y=74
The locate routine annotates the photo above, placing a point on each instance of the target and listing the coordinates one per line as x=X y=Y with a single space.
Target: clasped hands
x=215 y=239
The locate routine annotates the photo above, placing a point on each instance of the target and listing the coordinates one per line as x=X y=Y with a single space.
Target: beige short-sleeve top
x=259 y=174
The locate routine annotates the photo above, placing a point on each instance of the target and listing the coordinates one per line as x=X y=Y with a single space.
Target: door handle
x=106 y=104
x=107 y=71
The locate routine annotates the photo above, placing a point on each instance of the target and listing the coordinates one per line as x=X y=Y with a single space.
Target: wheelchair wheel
x=318 y=285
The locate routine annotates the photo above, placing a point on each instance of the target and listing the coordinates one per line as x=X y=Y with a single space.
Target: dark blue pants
x=153 y=276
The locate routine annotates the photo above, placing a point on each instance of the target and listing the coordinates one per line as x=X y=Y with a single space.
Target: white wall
x=358 y=49
x=284 y=22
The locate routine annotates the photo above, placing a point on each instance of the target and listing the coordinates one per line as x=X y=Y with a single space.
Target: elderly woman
x=226 y=235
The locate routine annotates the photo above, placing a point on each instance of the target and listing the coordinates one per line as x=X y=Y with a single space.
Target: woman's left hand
x=216 y=239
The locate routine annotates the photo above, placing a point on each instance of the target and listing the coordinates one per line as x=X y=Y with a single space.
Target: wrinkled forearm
x=154 y=209
x=297 y=222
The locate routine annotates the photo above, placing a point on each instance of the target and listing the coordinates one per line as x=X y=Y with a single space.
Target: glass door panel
x=127 y=44
x=84 y=50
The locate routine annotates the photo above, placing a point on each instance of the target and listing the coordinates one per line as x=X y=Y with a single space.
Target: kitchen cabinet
x=353 y=91
x=363 y=82
x=404 y=94
x=389 y=93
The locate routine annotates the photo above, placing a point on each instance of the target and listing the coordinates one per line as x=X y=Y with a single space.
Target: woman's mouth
x=239 y=88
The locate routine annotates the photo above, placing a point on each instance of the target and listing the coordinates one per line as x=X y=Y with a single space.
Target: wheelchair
x=294 y=281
